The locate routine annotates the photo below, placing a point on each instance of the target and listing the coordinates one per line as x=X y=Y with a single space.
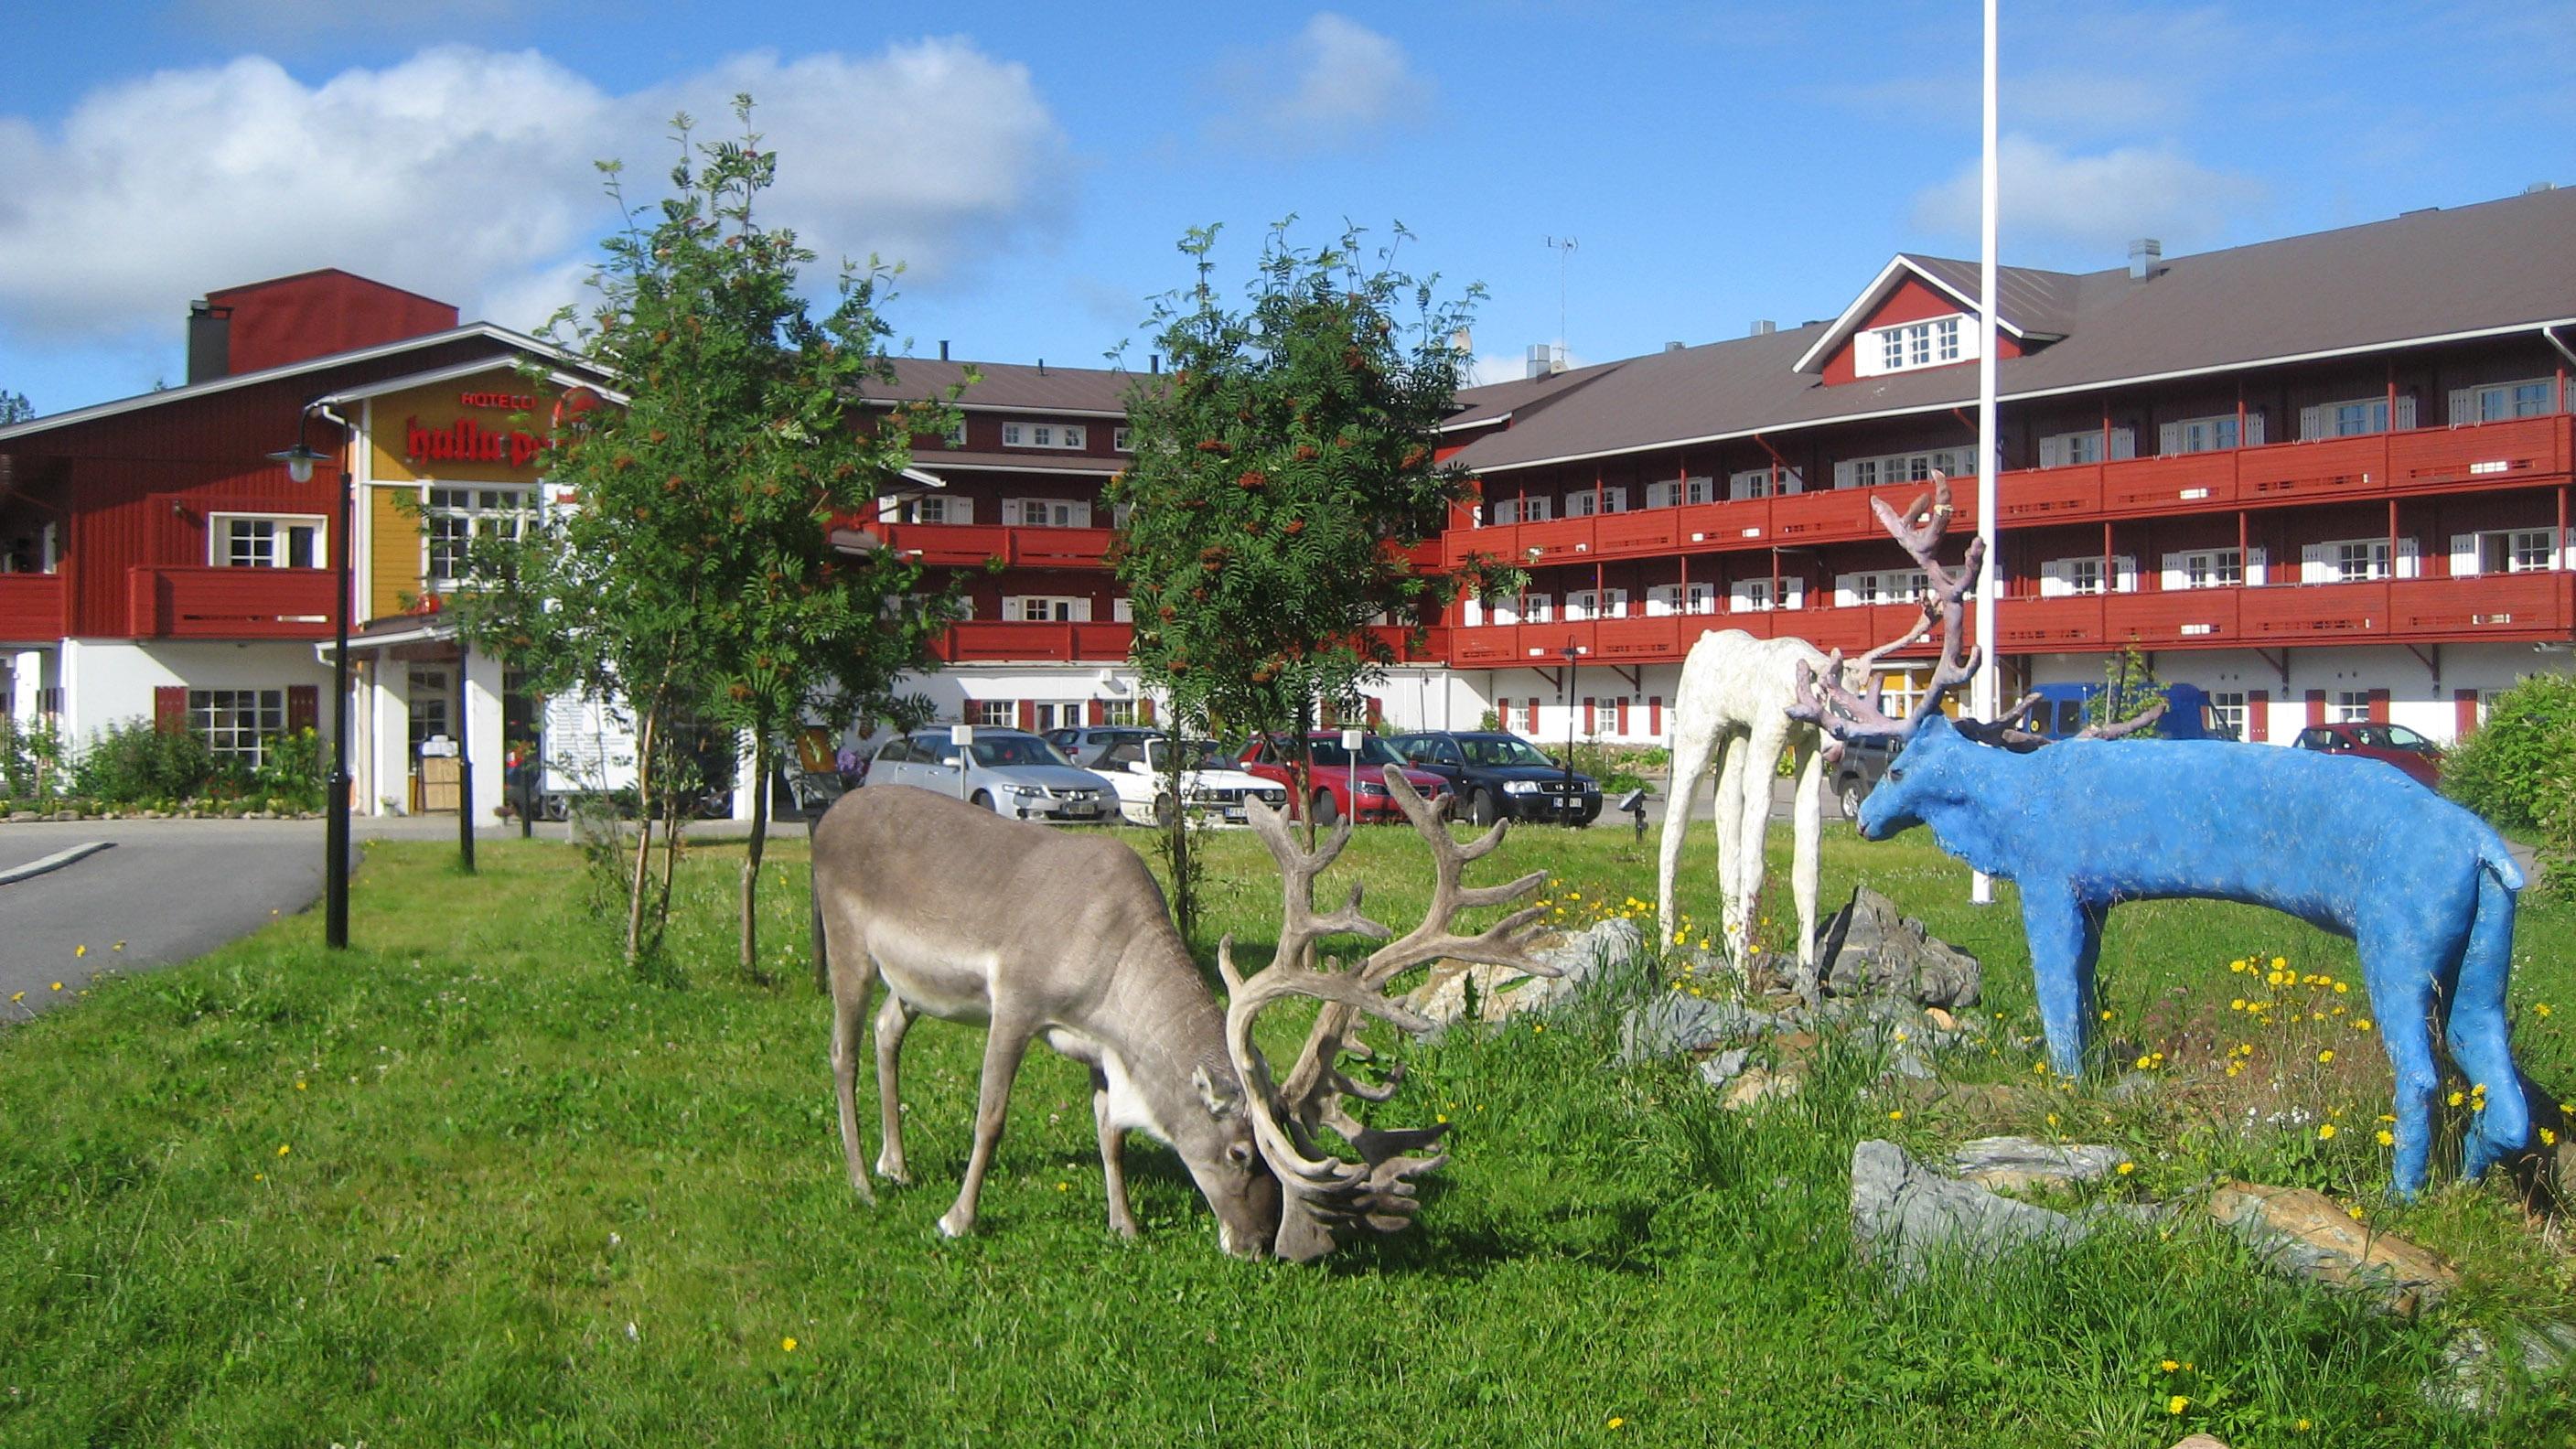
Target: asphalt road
x=168 y=890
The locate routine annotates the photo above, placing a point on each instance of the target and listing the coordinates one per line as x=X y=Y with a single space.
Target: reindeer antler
x=1829 y=703
x=1328 y=1197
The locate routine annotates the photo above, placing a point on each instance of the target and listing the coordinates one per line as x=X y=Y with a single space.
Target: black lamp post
x=1573 y=663
x=299 y=461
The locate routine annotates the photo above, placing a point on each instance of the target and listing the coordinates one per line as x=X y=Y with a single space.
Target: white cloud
x=1336 y=83
x=467 y=174
x=2100 y=200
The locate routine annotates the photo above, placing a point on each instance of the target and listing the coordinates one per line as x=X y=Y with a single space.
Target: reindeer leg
x=2475 y=1029
x=1762 y=748
x=2065 y=941
x=1113 y=1157
x=1807 y=828
x=1690 y=767
x=849 y=1014
x=1731 y=768
x=894 y=1019
x=1005 y=1044
x=2404 y=1001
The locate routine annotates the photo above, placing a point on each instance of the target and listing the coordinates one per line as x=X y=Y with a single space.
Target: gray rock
x=65 y=815
x=2017 y=1164
x=1870 y=948
x=21 y=817
x=1722 y=1068
x=2471 y=1381
x=1673 y=1023
x=1903 y=1213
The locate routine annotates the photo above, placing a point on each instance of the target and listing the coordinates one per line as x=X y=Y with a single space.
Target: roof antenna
x=1564 y=248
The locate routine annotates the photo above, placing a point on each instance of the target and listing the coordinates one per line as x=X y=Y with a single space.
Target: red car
x=1335 y=775
x=2366 y=740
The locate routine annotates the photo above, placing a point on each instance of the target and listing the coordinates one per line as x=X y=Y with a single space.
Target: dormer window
x=1908 y=345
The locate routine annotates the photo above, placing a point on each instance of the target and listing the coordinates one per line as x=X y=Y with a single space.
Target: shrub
x=291 y=771
x=132 y=762
x=2503 y=771
x=31 y=761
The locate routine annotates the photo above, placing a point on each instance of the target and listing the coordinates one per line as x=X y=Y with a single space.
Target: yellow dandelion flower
x=2548 y=1138
x=2540 y=1009
x=2172 y=1365
x=1536 y=1027
x=2236 y=965
x=2106 y=1013
x=2456 y=1099
x=2303 y=1426
x=2353 y=1212
x=57 y=986
x=1681 y=938
x=1616 y=1421
x=299 y=1084
x=17 y=996
x=2325 y=1132
x=2341 y=987
x=2127 y=1167
x=81 y=950
x=2387 y=1138
x=2361 y=1023
x=1064 y=1187
x=786 y=1345
x=2327 y=1055
x=283 y=1149
x=2145 y=1062
x=2052 y=1119
x=1896 y=1116
x=2280 y=963
x=2234 y=1067
x=2177 y=1403
x=2236 y=1005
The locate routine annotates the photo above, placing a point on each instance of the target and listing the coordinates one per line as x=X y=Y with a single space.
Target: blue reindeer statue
x=2424 y=888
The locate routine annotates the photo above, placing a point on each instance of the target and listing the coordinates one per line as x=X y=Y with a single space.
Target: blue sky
x=1033 y=163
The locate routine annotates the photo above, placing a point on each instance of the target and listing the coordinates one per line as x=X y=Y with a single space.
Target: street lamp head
x=299 y=461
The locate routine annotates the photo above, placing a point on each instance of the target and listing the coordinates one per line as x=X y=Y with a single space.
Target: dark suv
x=1498 y=774
x=1858 y=771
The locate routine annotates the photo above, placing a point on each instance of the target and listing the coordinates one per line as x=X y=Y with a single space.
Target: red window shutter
x=1619 y=719
x=2316 y=706
x=2258 y=716
x=170 y=708
x=2379 y=706
x=1531 y=724
x=1098 y=713
x=1589 y=728
x=303 y=707
x=2464 y=720
x=1028 y=714
x=1145 y=710
x=1376 y=711
x=1655 y=715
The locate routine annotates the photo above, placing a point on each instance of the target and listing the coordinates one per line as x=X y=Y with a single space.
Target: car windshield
x=1501 y=750
x=2387 y=737
x=1329 y=754
x=1009 y=750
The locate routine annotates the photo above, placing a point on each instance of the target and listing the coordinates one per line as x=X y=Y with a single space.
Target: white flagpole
x=1986 y=697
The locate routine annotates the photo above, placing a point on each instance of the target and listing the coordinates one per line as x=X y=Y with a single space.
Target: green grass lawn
x=471 y=1183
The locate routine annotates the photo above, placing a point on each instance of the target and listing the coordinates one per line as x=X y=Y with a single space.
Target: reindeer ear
x=1222 y=1096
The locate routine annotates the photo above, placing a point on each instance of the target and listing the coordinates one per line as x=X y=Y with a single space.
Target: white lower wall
x=110 y=681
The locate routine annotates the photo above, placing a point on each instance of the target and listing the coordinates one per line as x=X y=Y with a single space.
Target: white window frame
x=219 y=540
x=1047 y=512
x=1585 y=604
x=994 y=714
x=1528 y=607
x=1664 y=601
x=480 y=519
x=2087 y=576
x=1915 y=467
x=1906 y=346
x=2522 y=551
x=2207 y=568
x=1062 y=437
x=1753 y=596
x=1586 y=502
x=2495 y=402
x=2331 y=561
x=2338 y=420
x=1534 y=508
x=218 y=717
x=2087 y=446
x=1122 y=440
x=2228 y=707
x=2348 y=706
x=1046 y=608
x=2214 y=433
x=1880 y=586
x=1750 y=483
x=1676 y=492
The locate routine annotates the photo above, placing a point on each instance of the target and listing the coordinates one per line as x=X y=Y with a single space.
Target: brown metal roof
x=2491 y=267
x=1011 y=386
x=1495 y=401
x=2034 y=303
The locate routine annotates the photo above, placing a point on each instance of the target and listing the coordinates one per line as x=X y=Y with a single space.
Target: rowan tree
x=695 y=576
x=1284 y=471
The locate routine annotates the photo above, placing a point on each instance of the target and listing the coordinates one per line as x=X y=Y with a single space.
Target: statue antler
x=1328 y=1197
x=1829 y=703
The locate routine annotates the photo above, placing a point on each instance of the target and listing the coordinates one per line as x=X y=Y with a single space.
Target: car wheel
x=1483 y=809
x=982 y=800
x=1163 y=812
x=1328 y=810
x=1853 y=794
x=557 y=808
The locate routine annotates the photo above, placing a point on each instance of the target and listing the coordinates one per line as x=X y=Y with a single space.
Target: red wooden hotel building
x=2322 y=477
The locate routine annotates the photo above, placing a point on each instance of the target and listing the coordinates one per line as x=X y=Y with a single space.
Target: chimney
x=1041 y=367
x=1542 y=360
x=1672 y=347
x=210 y=341
x=2146 y=256
x=1763 y=327
x=1154 y=362
x=2537 y=187
x=943 y=349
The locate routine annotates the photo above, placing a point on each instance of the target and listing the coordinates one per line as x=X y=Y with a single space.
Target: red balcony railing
x=989 y=640
x=2521 y=452
x=228 y=603
x=2500 y=606
x=972 y=545
x=31 y=608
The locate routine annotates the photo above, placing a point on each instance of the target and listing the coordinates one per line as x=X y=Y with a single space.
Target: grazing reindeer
x=1071 y=941
x=1732 y=714
x=2424 y=888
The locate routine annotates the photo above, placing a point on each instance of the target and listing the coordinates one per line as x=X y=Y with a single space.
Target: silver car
x=1005 y=771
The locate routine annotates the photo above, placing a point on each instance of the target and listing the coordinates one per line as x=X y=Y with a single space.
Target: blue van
x=2188 y=713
